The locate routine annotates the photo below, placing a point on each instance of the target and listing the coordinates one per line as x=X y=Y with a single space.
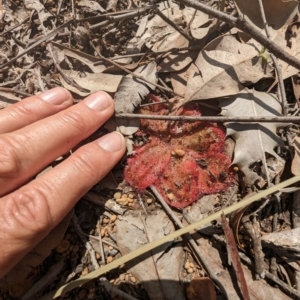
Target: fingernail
x=112 y=142
x=55 y=96
x=98 y=101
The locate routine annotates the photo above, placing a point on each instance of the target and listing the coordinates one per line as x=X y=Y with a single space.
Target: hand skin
x=33 y=133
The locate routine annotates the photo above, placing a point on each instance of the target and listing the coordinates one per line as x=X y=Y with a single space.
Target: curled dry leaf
x=131 y=91
x=253 y=141
x=183 y=160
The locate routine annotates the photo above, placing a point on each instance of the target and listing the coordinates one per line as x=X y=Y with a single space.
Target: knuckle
x=76 y=120
x=84 y=165
x=22 y=110
x=10 y=163
x=30 y=209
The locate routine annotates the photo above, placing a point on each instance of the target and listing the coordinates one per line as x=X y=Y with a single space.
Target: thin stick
x=189 y=239
x=43 y=39
x=245 y=26
x=133 y=74
x=167 y=20
x=282 y=94
x=266 y=119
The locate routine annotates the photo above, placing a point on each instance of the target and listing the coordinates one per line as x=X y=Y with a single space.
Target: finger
x=34 y=108
x=23 y=153
x=28 y=214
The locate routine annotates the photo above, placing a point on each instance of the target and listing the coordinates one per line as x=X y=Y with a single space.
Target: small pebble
x=112 y=281
x=103 y=230
x=124 y=196
x=132 y=279
x=170 y=196
x=180 y=152
x=98 y=256
x=130 y=200
x=105 y=221
x=190 y=270
x=235 y=168
x=117 y=195
x=149 y=201
x=85 y=271
x=187 y=265
x=110 y=247
x=124 y=203
x=192 y=265
x=122 y=277
x=113 y=218
x=109 y=259
x=131 y=196
x=127 y=277
x=130 y=204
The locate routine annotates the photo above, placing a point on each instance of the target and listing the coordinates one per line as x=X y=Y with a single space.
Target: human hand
x=33 y=133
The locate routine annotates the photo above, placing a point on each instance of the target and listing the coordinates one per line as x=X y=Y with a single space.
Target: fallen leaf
x=131 y=90
x=285 y=243
x=201 y=288
x=278 y=12
x=225 y=65
x=92 y=5
x=93 y=82
x=158 y=271
x=253 y=140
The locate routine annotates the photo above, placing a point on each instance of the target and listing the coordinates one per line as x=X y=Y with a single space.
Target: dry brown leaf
x=278 y=12
x=84 y=58
x=253 y=140
x=201 y=288
x=93 y=82
x=258 y=289
x=285 y=243
x=91 y=5
x=158 y=271
x=225 y=65
x=131 y=91
x=202 y=24
x=158 y=35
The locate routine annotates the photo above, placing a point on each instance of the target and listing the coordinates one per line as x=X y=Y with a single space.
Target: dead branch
x=276 y=119
x=189 y=239
x=244 y=26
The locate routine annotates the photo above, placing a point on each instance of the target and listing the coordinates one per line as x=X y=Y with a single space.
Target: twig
x=43 y=39
x=14 y=27
x=121 y=17
x=243 y=25
x=133 y=74
x=281 y=88
x=112 y=289
x=189 y=239
x=267 y=119
x=256 y=245
x=103 y=261
x=85 y=241
x=13 y=90
x=167 y=20
x=294 y=294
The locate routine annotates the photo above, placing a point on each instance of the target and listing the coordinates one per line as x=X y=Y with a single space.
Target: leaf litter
x=165 y=60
